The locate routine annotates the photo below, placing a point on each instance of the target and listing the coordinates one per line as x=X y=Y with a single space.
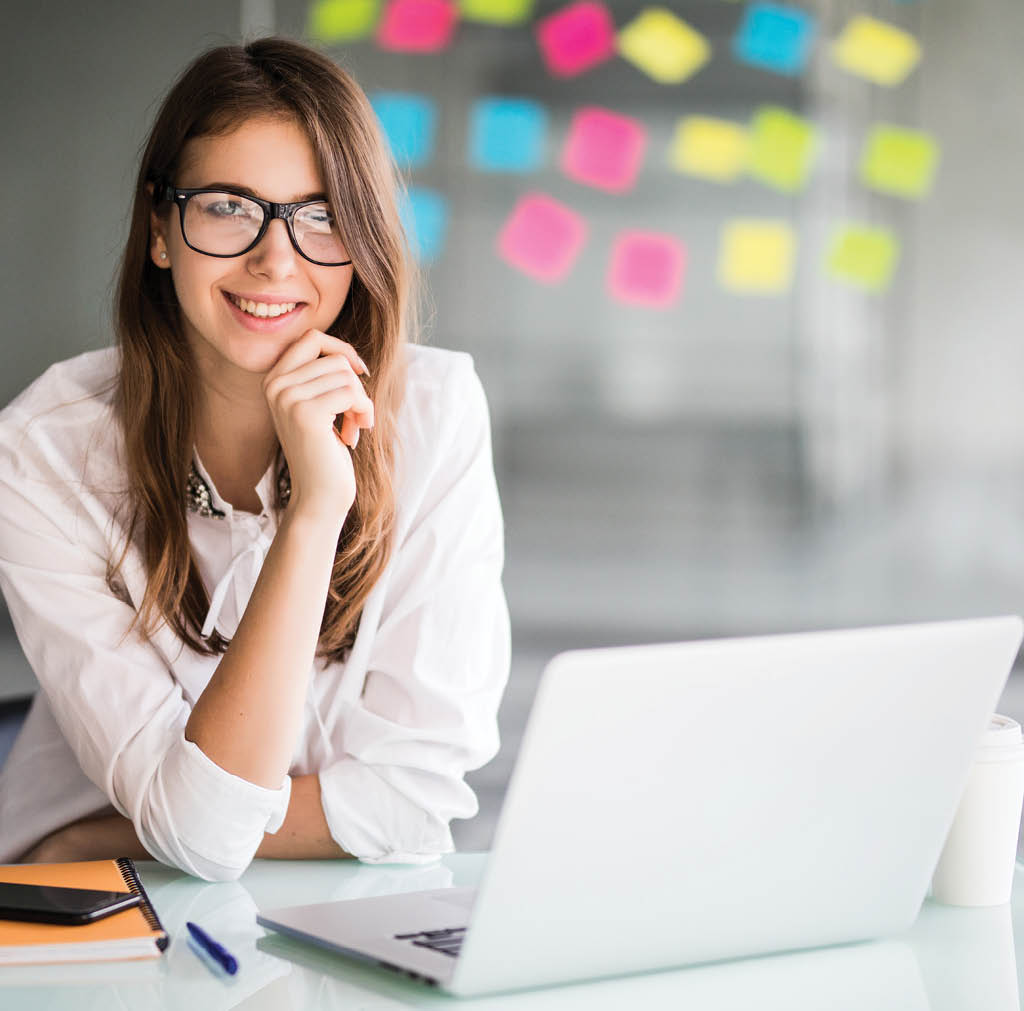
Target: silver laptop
x=686 y=803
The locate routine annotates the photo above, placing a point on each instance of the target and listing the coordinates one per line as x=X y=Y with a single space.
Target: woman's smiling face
x=272 y=159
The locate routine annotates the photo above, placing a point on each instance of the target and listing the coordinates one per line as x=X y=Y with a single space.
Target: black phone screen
x=48 y=904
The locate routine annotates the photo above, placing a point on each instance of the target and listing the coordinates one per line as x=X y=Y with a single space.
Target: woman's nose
x=274 y=253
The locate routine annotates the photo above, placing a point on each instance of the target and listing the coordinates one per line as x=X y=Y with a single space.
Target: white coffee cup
x=977 y=862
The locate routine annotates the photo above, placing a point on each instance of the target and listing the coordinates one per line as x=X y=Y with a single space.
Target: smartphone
x=48 y=904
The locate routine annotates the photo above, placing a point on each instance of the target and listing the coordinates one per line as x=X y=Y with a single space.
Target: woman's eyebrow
x=246 y=191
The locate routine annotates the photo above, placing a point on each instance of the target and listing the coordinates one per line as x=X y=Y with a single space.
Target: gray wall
x=962 y=361
x=779 y=481
x=80 y=85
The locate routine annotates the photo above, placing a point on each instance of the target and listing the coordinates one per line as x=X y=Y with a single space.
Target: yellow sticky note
x=756 y=256
x=863 y=255
x=899 y=161
x=341 y=20
x=496 y=12
x=876 y=50
x=711 y=148
x=782 y=148
x=663 y=46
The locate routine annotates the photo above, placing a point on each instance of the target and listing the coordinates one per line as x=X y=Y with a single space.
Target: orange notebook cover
x=132 y=933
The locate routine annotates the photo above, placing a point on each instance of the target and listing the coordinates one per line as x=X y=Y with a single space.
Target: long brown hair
x=156 y=391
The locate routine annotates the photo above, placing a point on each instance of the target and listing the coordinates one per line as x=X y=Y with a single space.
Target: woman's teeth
x=263 y=308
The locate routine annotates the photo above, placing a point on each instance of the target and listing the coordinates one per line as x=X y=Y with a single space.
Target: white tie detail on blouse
x=255 y=553
x=390 y=732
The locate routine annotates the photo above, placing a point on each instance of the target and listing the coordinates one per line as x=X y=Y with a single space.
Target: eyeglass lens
x=225 y=224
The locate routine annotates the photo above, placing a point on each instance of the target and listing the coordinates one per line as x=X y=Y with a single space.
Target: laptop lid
x=691 y=802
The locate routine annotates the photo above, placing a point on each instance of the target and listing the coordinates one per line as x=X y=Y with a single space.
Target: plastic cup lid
x=1003 y=740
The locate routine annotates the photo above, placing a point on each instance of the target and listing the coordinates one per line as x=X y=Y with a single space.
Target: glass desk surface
x=951 y=958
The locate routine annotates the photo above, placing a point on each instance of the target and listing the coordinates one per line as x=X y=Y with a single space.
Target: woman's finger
x=283 y=392
x=358 y=401
x=310 y=346
x=347 y=400
x=322 y=366
x=335 y=365
x=338 y=403
x=349 y=431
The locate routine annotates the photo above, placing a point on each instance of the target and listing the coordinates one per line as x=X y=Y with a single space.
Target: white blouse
x=390 y=732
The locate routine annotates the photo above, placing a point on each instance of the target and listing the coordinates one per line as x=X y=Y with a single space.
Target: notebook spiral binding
x=132 y=880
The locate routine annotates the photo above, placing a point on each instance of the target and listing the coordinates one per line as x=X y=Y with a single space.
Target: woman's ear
x=158 y=252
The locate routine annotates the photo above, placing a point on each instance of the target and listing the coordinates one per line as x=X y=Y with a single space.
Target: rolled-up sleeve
x=113 y=693
x=439 y=659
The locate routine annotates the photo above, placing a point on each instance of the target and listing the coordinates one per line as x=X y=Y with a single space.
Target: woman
x=253 y=554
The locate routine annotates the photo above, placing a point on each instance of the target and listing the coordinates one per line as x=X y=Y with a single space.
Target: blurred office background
x=792 y=401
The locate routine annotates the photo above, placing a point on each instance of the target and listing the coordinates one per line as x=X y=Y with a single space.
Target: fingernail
x=355 y=440
x=366 y=371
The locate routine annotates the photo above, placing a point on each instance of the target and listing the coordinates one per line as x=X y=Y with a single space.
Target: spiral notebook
x=132 y=933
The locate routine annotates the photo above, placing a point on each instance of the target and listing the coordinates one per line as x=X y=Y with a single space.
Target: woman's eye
x=319 y=217
x=226 y=208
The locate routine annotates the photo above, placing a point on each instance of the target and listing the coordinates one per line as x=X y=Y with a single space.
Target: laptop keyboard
x=447 y=941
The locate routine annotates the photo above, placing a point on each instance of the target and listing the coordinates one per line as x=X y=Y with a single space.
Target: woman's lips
x=263 y=324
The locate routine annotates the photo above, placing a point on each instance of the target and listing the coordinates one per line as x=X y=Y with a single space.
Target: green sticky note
x=342 y=20
x=898 y=161
x=496 y=12
x=782 y=148
x=863 y=255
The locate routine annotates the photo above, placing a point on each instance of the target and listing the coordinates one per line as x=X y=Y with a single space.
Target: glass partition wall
x=743 y=293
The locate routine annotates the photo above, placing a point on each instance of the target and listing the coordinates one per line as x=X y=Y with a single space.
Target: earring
x=163 y=256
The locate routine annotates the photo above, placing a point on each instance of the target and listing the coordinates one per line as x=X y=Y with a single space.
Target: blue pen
x=221 y=955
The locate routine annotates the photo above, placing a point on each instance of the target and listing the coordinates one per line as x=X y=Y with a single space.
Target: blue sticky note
x=775 y=38
x=507 y=135
x=409 y=122
x=424 y=215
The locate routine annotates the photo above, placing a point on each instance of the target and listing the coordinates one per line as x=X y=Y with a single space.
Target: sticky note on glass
x=876 y=50
x=863 y=256
x=782 y=148
x=341 y=20
x=756 y=256
x=663 y=46
x=646 y=269
x=714 y=149
x=774 y=37
x=604 y=149
x=496 y=12
x=424 y=216
x=417 y=26
x=542 y=238
x=408 y=121
x=899 y=161
x=576 y=38
x=507 y=135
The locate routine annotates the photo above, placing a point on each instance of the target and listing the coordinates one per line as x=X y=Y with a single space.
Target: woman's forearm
x=105 y=837
x=303 y=836
x=248 y=717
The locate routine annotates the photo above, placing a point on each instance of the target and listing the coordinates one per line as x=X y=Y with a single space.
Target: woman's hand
x=312 y=383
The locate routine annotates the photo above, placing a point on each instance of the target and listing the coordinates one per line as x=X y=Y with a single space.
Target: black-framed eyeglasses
x=223 y=222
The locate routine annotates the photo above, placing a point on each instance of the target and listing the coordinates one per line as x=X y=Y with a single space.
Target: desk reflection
x=952 y=959
x=967 y=957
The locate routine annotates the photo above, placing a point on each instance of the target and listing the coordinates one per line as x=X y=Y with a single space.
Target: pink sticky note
x=646 y=268
x=576 y=38
x=417 y=26
x=542 y=237
x=604 y=149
